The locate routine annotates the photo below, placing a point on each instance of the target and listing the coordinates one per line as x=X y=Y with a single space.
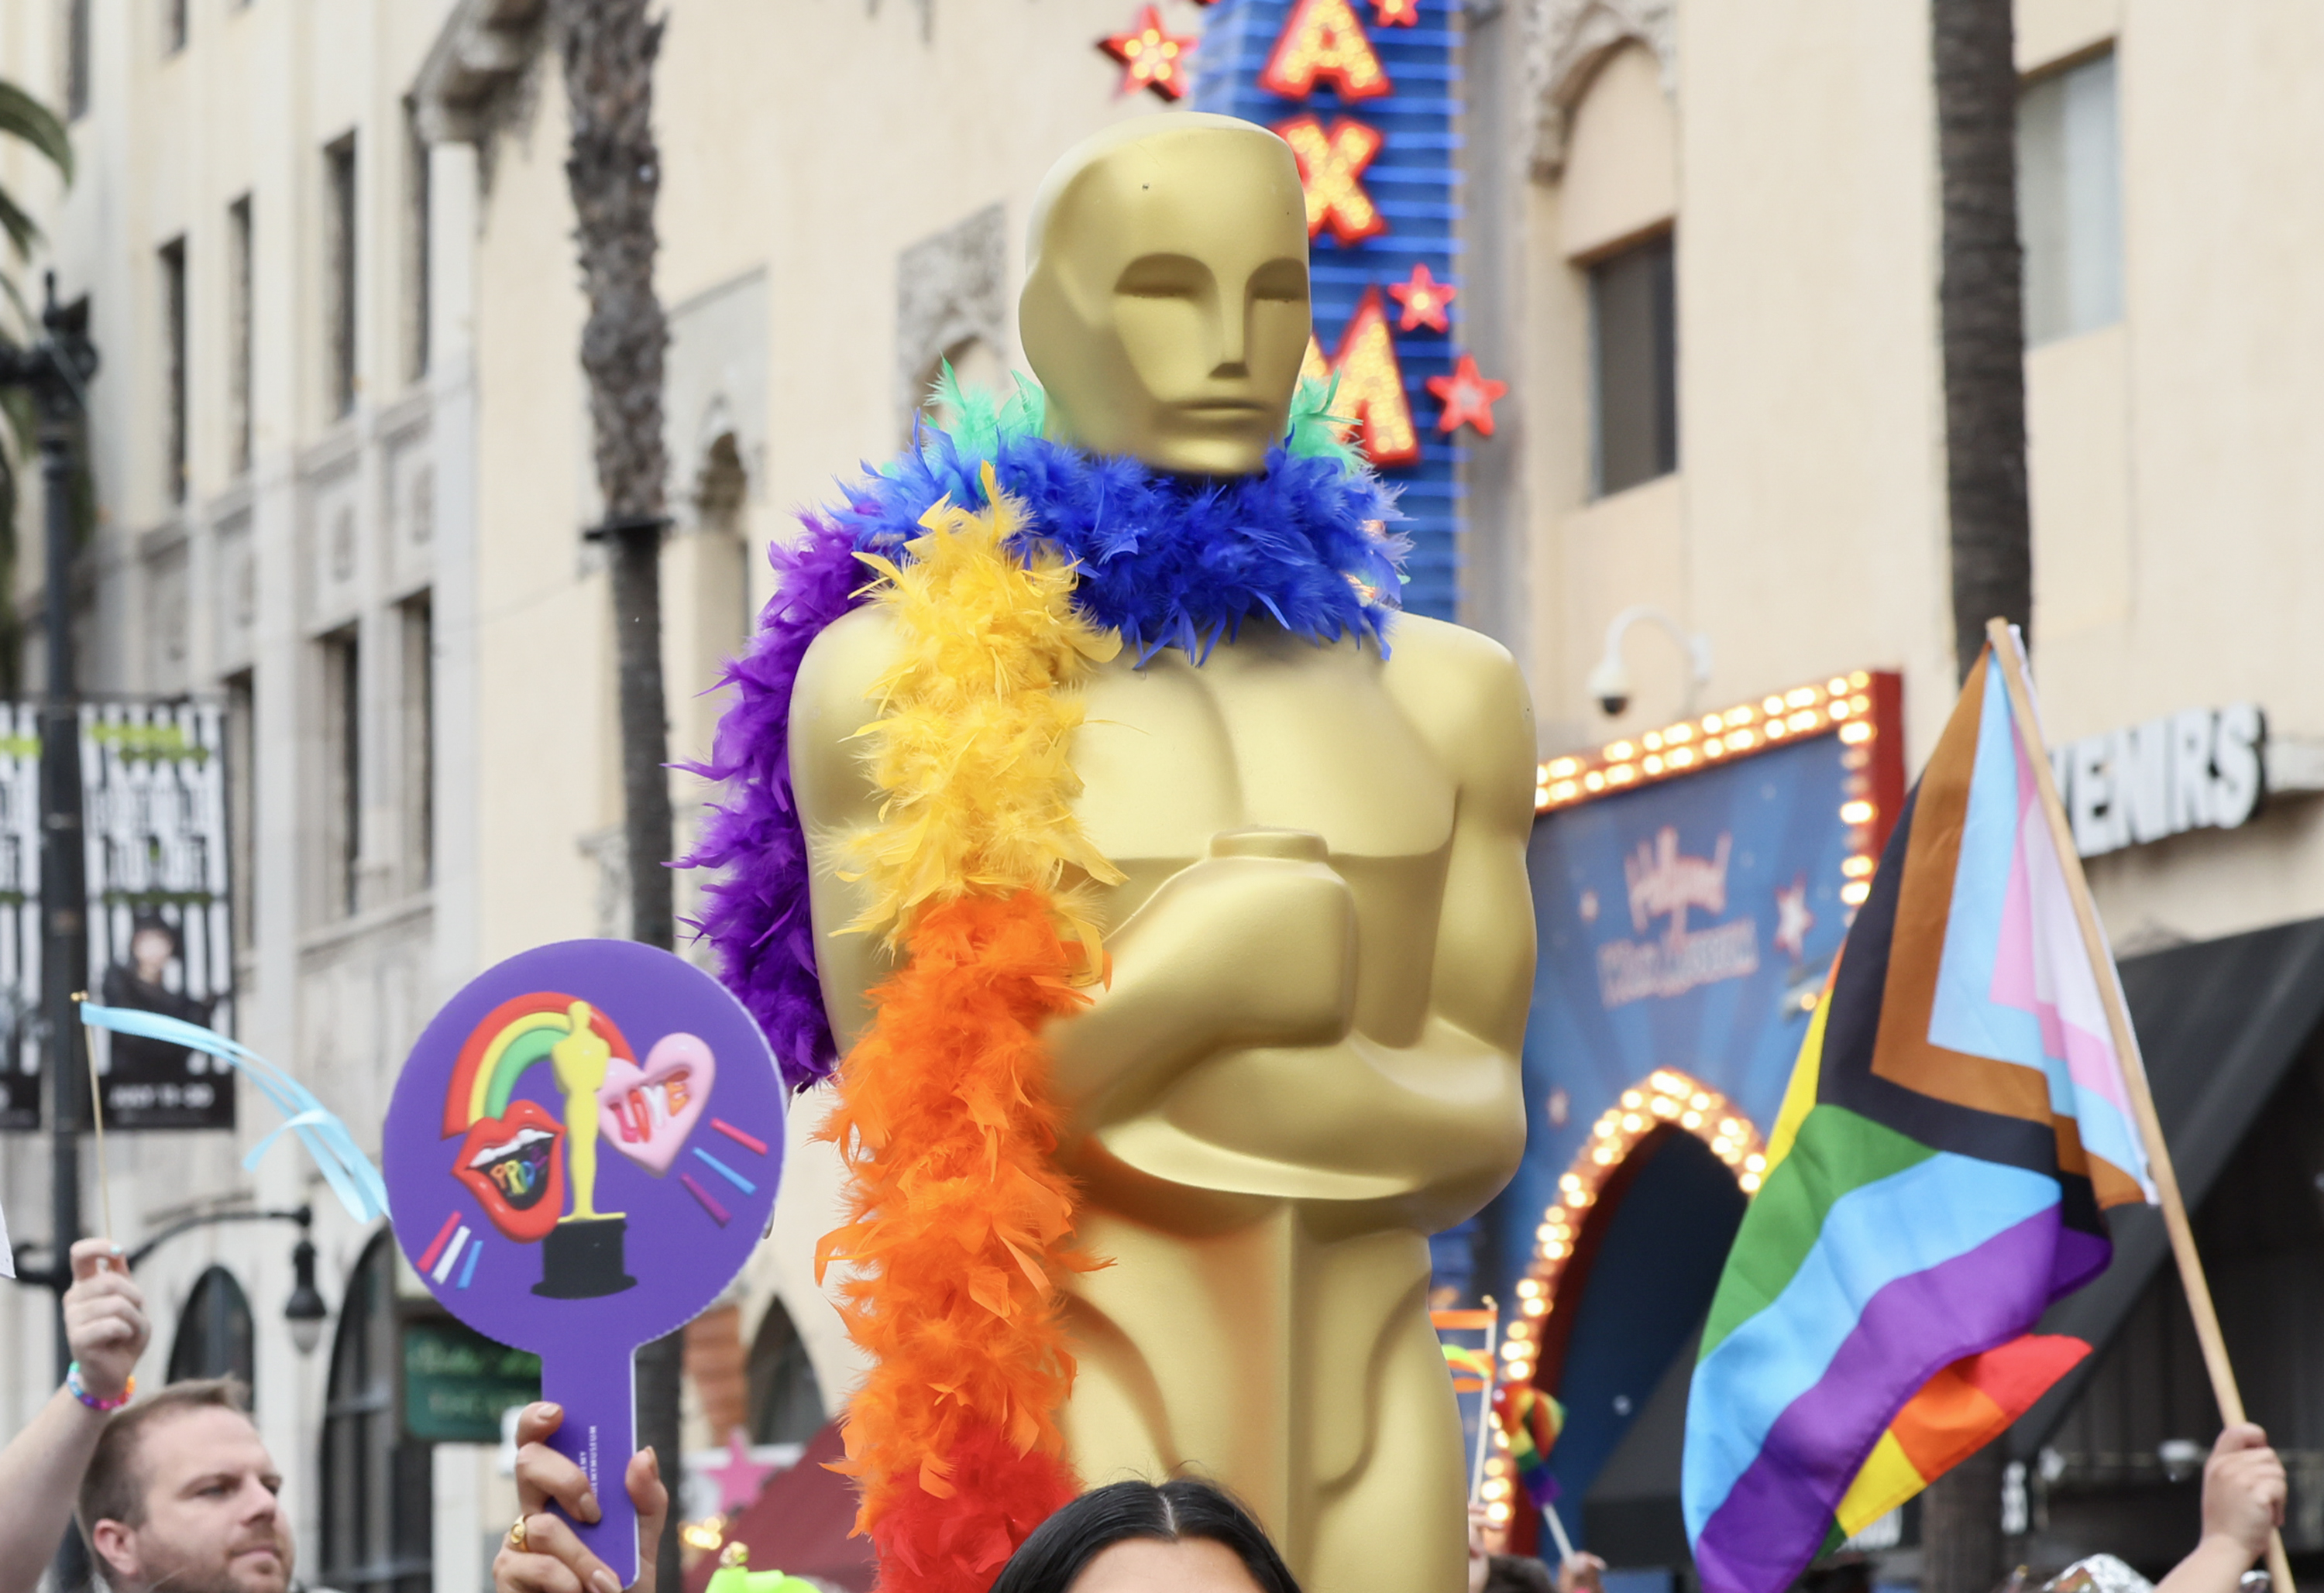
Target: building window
x=378 y=1491
x=173 y=375
x=77 y=62
x=2070 y=200
x=239 y=332
x=417 y=615
x=342 y=808
x=786 y=1402
x=174 y=25
x=417 y=247
x=1634 y=364
x=242 y=807
x=215 y=1335
x=340 y=270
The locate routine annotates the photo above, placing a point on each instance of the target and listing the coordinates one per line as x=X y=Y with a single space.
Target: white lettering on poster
x=1665 y=882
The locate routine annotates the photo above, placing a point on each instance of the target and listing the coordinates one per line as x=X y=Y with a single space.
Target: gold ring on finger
x=516 y=1535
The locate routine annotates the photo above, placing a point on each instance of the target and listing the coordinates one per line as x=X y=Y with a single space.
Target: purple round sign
x=582 y=1152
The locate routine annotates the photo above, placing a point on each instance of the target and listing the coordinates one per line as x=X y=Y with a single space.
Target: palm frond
x=21 y=230
x=25 y=118
x=15 y=298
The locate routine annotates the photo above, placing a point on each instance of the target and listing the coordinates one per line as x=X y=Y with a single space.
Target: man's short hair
x=112 y=1490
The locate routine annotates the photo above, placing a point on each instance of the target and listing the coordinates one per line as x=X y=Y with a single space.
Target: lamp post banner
x=161 y=936
x=160 y=916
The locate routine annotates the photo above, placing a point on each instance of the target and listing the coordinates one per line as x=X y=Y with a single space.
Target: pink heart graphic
x=647 y=1112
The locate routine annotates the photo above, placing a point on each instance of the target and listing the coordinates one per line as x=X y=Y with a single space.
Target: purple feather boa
x=1166 y=561
x=755 y=914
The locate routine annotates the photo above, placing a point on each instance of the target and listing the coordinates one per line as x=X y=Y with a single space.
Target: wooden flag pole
x=2003 y=639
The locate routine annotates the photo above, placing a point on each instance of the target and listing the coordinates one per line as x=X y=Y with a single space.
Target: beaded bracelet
x=80 y=1391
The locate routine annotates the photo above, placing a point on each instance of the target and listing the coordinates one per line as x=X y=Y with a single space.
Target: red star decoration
x=1151 y=57
x=1468 y=394
x=1424 y=299
x=1391 y=14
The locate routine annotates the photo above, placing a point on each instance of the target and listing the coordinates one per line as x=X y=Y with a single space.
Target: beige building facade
x=1702 y=247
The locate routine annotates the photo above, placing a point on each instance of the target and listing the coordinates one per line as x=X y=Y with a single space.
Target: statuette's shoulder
x=830 y=702
x=1461 y=680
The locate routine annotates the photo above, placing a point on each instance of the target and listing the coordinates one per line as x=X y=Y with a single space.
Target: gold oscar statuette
x=1307 y=1059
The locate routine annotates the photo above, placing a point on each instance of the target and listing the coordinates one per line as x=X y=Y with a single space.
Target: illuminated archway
x=1666 y=1101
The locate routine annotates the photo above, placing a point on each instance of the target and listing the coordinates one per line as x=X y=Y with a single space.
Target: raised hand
x=105 y=1318
x=2243 y=1489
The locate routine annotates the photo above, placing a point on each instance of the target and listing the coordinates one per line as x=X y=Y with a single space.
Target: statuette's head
x=1166 y=302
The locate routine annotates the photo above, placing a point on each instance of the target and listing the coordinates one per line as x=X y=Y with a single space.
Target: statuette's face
x=1165 y=308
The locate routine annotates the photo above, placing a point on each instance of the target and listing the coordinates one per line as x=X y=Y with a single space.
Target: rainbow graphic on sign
x=519 y=1034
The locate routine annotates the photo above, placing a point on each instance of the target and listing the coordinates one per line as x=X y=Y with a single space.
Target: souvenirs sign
x=582 y=1152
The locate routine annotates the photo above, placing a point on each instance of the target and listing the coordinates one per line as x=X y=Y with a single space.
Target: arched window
x=785 y=1402
x=721 y=488
x=377 y=1484
x=215 y=1336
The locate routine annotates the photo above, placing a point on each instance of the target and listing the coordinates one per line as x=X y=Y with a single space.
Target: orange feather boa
x=960 y=1222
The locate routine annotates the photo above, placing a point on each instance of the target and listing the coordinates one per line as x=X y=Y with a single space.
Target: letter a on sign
x=1324 y=40
x=1371 y=383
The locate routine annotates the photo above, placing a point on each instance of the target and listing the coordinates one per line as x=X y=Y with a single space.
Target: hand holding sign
x=529 y=1234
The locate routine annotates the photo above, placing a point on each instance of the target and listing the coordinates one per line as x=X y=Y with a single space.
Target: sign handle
x=2002 y=637
x=598 y=1392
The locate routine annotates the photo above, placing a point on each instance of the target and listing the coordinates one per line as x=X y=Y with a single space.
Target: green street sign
x=457 y=1382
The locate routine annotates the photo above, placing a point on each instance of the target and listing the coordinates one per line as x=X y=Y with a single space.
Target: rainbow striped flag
x=1532 y=1420
x=1954 y=1129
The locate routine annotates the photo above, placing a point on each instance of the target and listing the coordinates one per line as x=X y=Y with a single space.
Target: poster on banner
x=20 y=916
x=161 y=936
x=581 y=1153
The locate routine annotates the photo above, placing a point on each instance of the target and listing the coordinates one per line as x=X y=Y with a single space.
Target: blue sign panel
x=1367 y=92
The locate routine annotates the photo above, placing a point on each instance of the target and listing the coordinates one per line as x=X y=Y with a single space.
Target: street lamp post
x=56 y=371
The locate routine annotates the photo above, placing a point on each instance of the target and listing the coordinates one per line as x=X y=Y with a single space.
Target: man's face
x=211 y=1524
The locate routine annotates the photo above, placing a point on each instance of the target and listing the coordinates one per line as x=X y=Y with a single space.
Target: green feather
x=1315 y=431
x=979 y=424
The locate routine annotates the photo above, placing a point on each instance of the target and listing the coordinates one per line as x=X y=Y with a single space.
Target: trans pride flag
x=1955 y=1126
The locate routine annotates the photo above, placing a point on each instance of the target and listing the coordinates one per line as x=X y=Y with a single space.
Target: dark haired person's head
x=1185 y=1536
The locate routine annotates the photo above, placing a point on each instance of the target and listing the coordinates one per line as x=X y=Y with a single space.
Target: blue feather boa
x=1168 y=560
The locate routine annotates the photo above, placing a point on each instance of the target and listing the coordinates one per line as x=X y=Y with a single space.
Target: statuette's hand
x=1253 y=946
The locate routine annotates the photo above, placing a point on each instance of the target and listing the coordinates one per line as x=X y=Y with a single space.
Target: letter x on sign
x=1331 y=170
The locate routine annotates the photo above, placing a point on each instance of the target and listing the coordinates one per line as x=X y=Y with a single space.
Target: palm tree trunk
x=1981 y=315
x=1982 y=318
x=613 y=170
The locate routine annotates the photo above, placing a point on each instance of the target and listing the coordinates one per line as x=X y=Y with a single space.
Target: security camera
x=1609 y=683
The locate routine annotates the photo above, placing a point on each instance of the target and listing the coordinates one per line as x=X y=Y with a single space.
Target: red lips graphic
x=515 y=1166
